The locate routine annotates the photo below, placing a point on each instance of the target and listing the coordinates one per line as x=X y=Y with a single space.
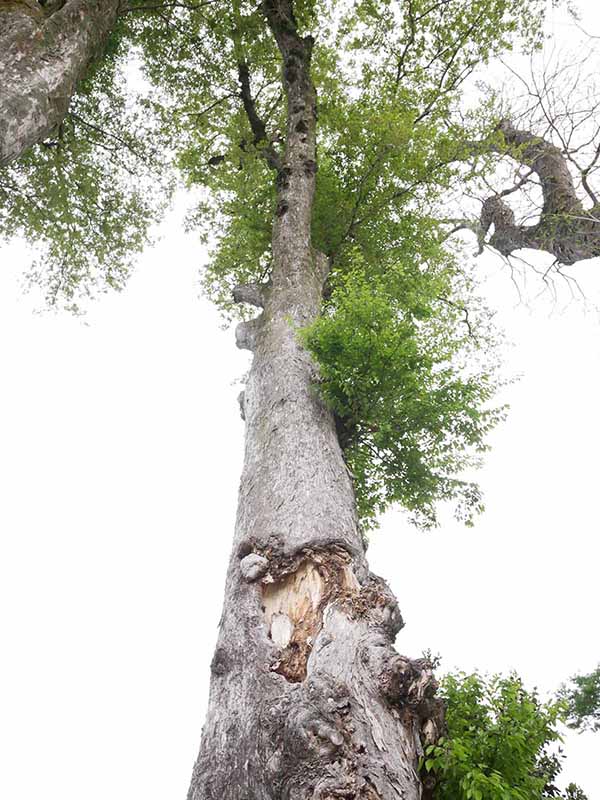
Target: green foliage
x=399 y=367
x=582 y=698
x=87 y=197
x=389 y=79
x=499 y=745
x=391 y=136
x=403 y=345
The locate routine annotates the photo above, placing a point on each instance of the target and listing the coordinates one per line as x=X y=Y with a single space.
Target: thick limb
x=565 y=229
x=43 y=57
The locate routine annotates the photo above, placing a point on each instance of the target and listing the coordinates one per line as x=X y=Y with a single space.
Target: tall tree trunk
x=44 y=53
x=308 y=697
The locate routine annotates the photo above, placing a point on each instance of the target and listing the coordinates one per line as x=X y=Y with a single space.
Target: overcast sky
x=121 y=448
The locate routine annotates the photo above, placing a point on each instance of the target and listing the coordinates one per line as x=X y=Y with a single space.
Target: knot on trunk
x=322 y=266
x=317 y=731
x=242 y=404
x=310 y=718
x=253 y=294
x=253 y=566
x=434 y=722
x=376 y=603
x=410 y=684
x=246 y=333
x=322 y=744
x=221 y=663
x=282 y=181
x=308 y=731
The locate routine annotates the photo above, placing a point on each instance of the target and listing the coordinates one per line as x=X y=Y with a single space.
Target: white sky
x=121 y=447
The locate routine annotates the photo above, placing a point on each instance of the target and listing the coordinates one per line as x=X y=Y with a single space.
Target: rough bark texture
x=566 y=229
x=44 y=53
x=308 y=697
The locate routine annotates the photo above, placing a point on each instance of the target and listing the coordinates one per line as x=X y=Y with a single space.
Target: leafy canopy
x=405 y=348
x=400 y=369
x=86 y=198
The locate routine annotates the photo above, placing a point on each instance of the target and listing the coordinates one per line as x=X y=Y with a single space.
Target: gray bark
x=43 y=57
x=308 y=698
x=565 y=229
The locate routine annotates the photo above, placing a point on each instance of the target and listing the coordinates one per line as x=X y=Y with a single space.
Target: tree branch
x=565 y=229
x=257 y=126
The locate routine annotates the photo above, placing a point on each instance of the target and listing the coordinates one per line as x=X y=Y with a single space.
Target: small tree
x=499 y=743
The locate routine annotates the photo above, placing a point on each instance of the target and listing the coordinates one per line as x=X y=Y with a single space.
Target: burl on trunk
x=308 y=697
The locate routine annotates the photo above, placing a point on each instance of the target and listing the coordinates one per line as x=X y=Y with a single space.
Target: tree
x=498 y=742
x=354 y=270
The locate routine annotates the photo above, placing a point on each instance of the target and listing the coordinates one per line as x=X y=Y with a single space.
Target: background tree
x=388 y=255
x=582 y=696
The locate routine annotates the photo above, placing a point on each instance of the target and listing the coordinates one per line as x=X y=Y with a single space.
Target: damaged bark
x=44 y=54
x=565 y=229
x=308 y=697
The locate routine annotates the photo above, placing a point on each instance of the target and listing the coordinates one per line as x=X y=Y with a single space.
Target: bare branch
x=565 y=229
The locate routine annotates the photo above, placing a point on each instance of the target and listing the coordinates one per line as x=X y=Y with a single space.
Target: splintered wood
x=293 y=608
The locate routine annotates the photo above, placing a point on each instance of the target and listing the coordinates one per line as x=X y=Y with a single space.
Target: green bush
x=500 y=742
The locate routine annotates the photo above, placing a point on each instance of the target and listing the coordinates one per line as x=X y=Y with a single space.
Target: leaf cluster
x=582 y=698
x=401 y=367
x=500 y=742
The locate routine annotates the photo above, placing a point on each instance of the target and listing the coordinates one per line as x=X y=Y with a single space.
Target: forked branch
x=565 y=229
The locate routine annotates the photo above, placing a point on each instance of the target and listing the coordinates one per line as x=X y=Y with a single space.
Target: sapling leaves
x=500 y=742
x=582 y=698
